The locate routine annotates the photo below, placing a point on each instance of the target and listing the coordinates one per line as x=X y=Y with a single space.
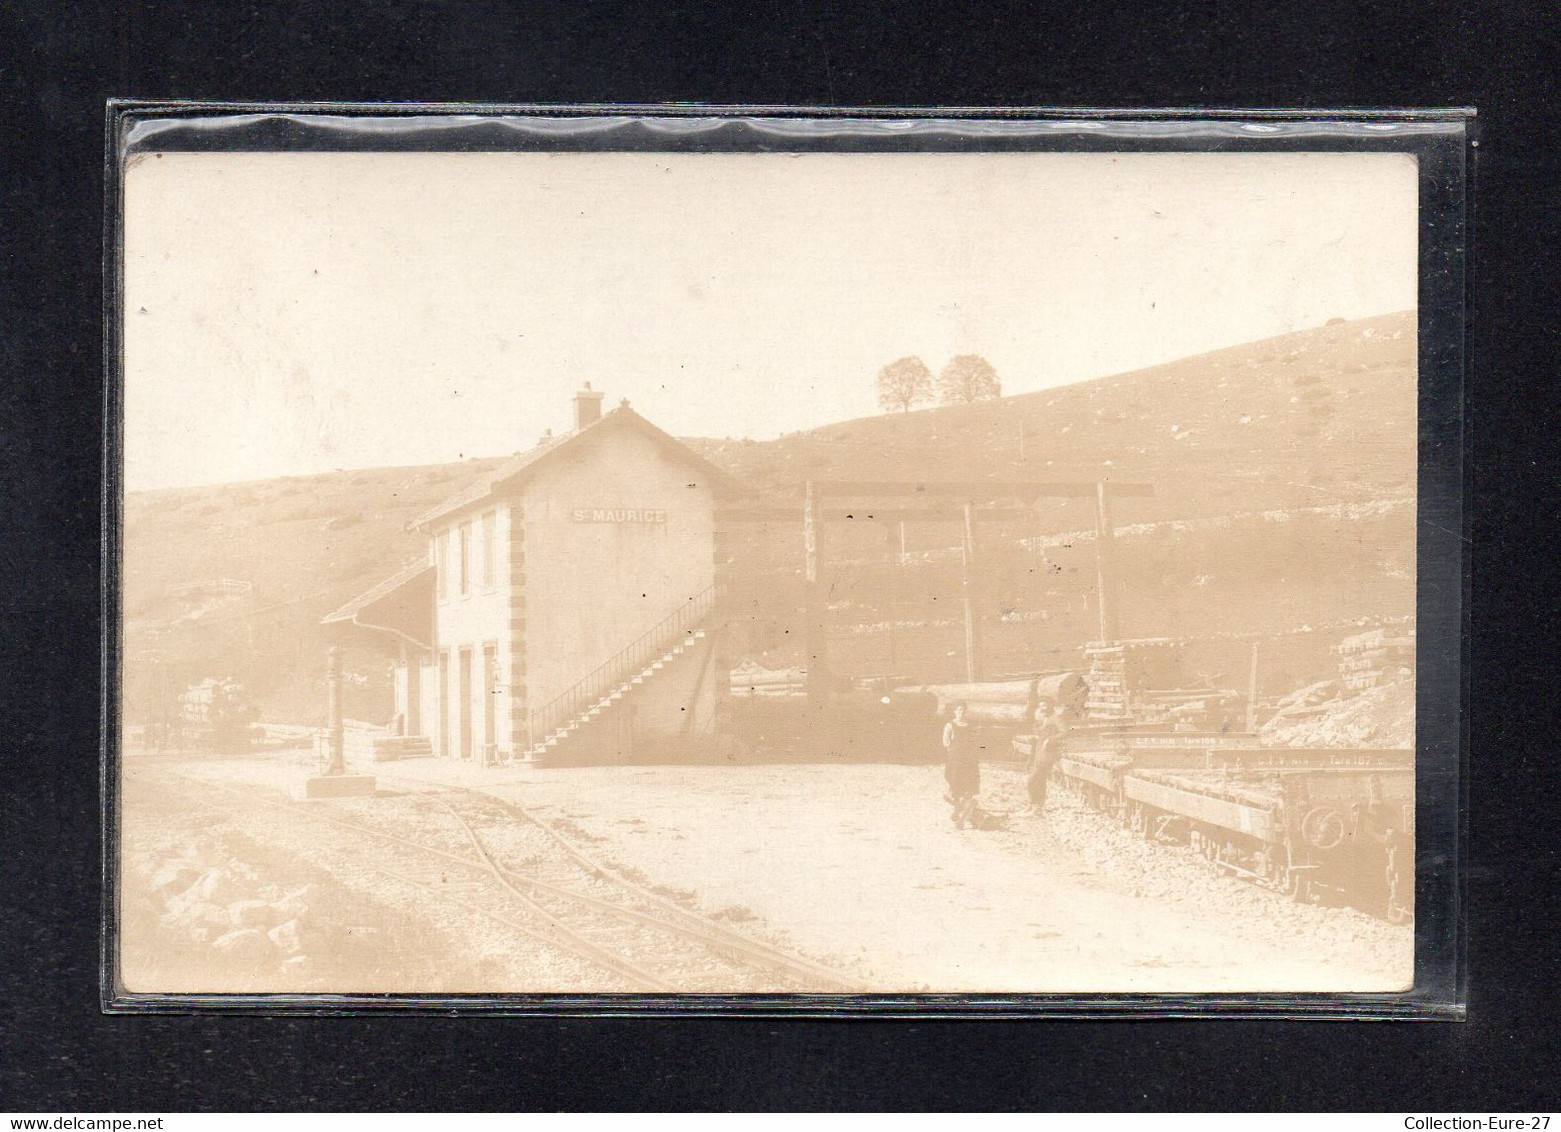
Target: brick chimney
x=588 y=406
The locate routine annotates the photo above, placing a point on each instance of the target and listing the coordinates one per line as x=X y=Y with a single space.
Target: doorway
x=414 y=717
x=490 y=691
x=444 y=703
x=466 y=703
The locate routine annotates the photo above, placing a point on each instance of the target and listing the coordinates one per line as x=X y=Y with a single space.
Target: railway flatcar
x=1339 y=830
x=1094 y=761
x=1314 y=822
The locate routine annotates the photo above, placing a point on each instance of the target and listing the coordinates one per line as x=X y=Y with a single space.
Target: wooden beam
x=1252 y=689
x=873 y=514
x=972 y=605
x=1105 y=575
x=334 y=733
x=929 y=515
x=978 y=489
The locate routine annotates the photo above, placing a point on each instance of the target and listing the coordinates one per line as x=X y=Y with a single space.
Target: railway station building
x=565 y=612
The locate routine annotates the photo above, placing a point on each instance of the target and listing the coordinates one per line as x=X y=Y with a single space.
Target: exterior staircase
x=601 y=707
x=568 y=714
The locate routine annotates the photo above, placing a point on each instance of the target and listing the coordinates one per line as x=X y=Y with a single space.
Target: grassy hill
x=1320 y=416
x=1317 y=424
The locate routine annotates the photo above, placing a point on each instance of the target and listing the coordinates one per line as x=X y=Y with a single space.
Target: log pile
x=1107 y=680
x=751 y=679
x=1005 y=702
x=1122 y=686
x=1211 y=708
x=1371 y=660
x=1371 y=704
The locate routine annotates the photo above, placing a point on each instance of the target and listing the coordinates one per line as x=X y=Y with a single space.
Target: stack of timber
x=753 y=679
x=1209 y=707
x=1325 y=715
x=1107 y=680
x=1370 y=660
x=369 y=742
x=211 y=701
x=1005 y=702
x=1139 y=681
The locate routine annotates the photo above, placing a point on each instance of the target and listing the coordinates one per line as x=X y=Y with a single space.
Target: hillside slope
x=1302 y=421
x=1315 y=417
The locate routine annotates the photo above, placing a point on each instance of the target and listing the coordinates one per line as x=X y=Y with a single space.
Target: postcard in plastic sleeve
x=784 y=561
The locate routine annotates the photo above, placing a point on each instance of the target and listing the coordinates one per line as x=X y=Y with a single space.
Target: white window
x=441 y=563
x=466 y=557
x=489 y=534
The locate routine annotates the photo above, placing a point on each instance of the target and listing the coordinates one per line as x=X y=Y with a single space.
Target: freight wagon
x=1313 y=822
x=1094 y=759
x=1348 y=831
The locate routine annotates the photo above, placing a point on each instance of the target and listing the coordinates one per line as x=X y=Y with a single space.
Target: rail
x=654 y=911
x=632 y=659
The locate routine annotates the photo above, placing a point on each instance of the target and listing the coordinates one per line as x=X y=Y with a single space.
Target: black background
x=59 y=63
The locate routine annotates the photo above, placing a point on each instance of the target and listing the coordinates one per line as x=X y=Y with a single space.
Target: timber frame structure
x=947 y=501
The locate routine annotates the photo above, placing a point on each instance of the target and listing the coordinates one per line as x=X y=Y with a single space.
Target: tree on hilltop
x=904 y=382
x=968 y=377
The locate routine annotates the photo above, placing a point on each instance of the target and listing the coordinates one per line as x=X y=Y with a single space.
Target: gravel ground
x=861 y=864
x=854 y=866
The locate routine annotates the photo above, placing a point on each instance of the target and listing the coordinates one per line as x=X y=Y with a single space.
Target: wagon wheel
x=1300 y=887
x=1297 y=881
x=1139 y=819
x=1210 y=847
x=1275 y=860
x=1263 y=865
x=1323 y=827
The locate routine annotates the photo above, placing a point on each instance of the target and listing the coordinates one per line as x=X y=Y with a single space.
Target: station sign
x=618 y=515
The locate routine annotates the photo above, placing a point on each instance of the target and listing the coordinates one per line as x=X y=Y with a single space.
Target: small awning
x=402 y=605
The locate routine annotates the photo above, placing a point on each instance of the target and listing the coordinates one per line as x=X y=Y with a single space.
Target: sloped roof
x=401 y=605
x=526 y=464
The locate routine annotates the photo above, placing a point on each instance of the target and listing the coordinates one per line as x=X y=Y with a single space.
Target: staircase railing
x=632 y=659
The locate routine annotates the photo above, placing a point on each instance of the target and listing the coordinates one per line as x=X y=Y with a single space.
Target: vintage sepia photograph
x=763 y=573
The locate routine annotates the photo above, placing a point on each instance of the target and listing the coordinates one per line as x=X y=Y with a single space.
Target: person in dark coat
x=961 y=767
x=1044 y=750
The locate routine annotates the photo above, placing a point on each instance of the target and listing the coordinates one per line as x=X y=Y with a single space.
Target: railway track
x=563 y=897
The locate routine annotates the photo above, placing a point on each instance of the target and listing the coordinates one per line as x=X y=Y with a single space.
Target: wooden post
x=972 y=616
x=1105 y=578
x=402 y=718
x=335 y=762
x=817 y=609
x=896 y=599
x=1252 y=690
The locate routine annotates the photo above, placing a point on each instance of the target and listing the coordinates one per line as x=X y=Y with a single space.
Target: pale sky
x=294 y=313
